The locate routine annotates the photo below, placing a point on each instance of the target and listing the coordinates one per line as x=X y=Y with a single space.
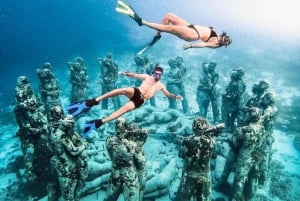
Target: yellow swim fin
x=144 y=49
x=154 y=40
x=125 y=9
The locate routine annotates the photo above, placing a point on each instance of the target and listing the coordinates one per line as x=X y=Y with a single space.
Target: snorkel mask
x=225 y=40
x=157 y=72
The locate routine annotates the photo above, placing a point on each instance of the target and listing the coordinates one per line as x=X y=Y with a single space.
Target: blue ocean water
x=266 y=42
x=33 y=32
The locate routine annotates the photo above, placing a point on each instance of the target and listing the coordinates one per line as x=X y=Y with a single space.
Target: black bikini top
x=212 y=34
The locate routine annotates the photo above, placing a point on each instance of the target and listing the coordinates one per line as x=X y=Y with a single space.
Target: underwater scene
x=168 y=100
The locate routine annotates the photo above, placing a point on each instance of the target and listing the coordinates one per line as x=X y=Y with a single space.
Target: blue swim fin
x=80 y=107
x=91 y=125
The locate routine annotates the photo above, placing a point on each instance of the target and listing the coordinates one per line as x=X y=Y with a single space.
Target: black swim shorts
x=137 y=98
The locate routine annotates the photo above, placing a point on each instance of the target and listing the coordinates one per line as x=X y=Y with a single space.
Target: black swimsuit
x=137 y=98
x=212 y=32
x=193 y=27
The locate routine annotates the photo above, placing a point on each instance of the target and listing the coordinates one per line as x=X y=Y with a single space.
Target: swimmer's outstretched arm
x=134 y=75
x=170 y=95
x=200 y=45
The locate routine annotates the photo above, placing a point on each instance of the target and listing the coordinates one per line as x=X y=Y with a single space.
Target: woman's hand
x=187 y=46
x=122 y=73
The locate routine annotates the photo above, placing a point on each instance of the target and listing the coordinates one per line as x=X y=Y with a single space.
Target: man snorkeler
x=137 y=96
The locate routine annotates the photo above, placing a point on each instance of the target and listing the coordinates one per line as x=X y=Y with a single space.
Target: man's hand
x=178 y=97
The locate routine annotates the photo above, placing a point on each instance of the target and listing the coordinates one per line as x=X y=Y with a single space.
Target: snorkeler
x=179 y=27
x=137 y=96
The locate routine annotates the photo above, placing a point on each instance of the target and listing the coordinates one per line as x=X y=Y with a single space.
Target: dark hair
x=158 y=68
x=226 y=40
